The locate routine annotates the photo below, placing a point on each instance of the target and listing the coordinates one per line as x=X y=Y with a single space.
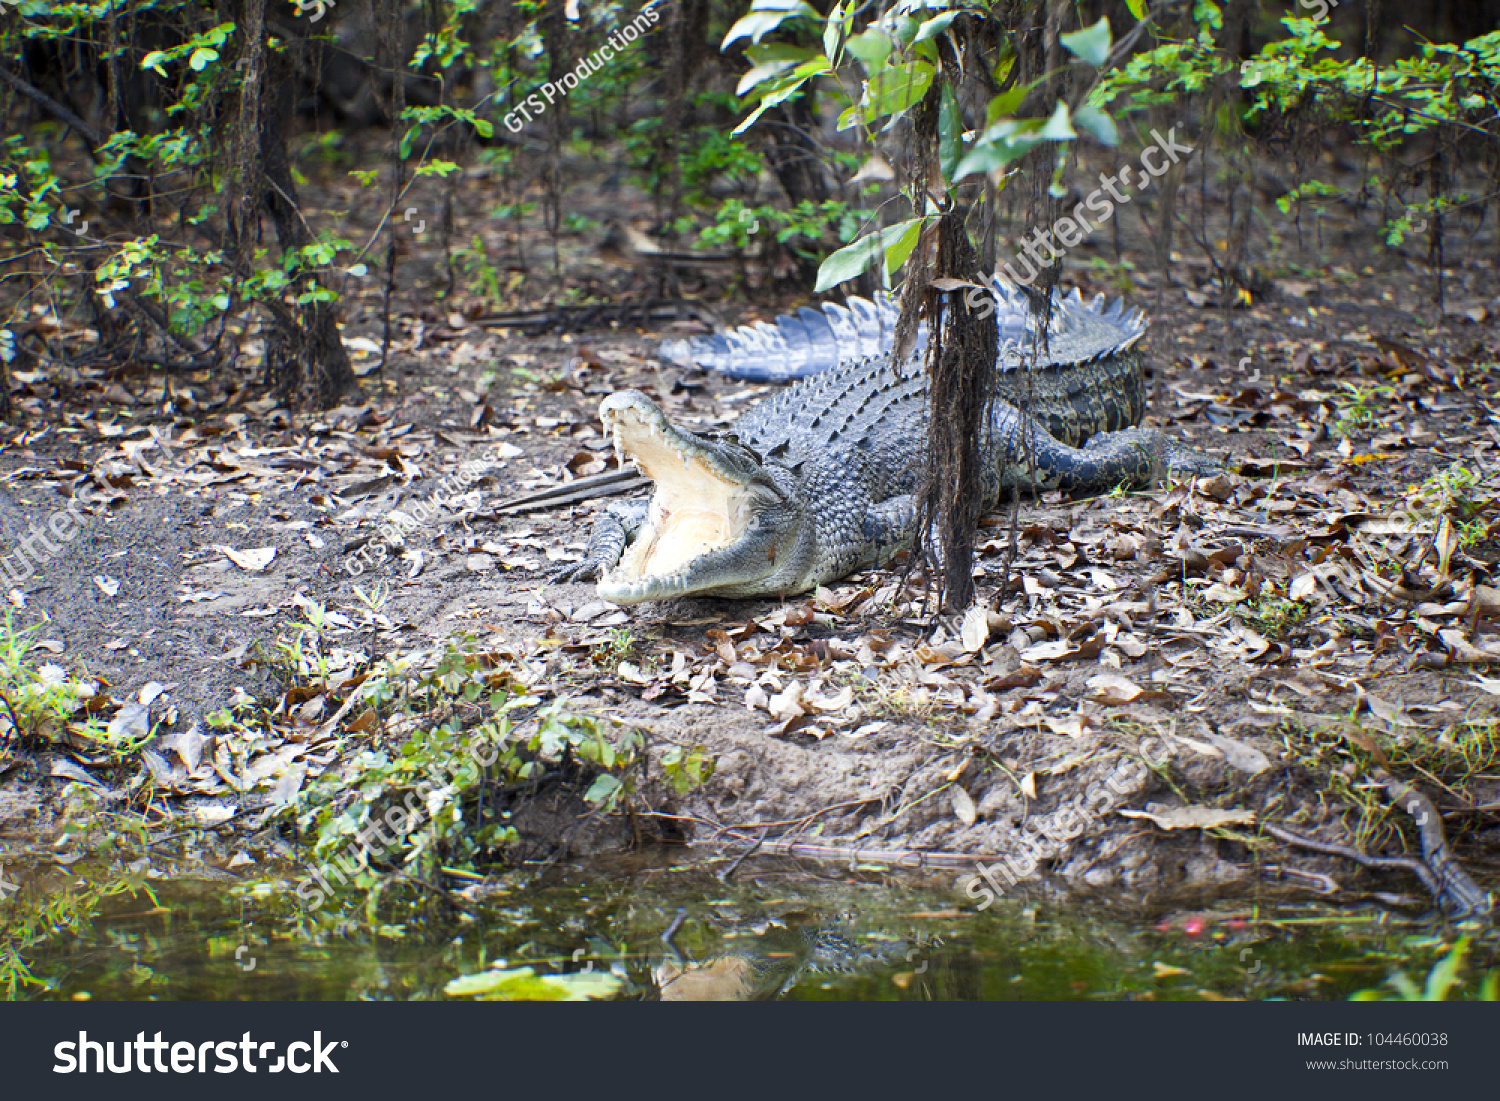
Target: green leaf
x=1058 y=127
x=403 y=148
x=847 y=262
x=1444 y=975
x=1003 y=67
x=906 y=31
x=1094 y=121
x=1405 y=987
x=788 y=87
x=522 y=984
x=1092 y=43
x=1137 y=8
x=833 y=32
x=1010 y=139
x=852 y=260
x=897 y=88
x=872 y=47
x=898 y=250
x=770 y=60
x=950 y=133
x=764 y=18
x=935 y=26
x=603 y=789
x=1006 y=103
x=201 y=57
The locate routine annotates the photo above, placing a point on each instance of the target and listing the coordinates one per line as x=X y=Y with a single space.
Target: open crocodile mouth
x=700 y=504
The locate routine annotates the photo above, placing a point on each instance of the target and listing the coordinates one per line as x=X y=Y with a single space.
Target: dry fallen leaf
x=837 y=702
x=1070 y=727
x=1388 y=711
x=1244 y=757
x=1489 y=684
x=787 y=705
x=975 y=631
x=1460 y=650
x=963 y=806
x=1191 y=818
x=1048 y=651
x=209 y=813
x=254 y=560
x=1113 y=688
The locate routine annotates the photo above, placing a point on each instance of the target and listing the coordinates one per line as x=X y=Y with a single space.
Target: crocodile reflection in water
x=770 y=958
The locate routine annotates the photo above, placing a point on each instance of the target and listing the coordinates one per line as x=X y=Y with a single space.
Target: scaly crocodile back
x=815 y=341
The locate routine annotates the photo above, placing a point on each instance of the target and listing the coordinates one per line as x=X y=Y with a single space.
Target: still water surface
x=666 y=925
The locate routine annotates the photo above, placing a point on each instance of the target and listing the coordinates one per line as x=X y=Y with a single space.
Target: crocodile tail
x=795 y=347
x=818 y=340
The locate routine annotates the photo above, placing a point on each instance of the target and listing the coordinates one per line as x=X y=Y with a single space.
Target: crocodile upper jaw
x=706 y=527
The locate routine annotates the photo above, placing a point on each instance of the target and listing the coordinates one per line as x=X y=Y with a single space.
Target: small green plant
x=299 y=651
x=442 y=795
x=687 y=768
x=1361 y=407
x=708 y=155
x=809 y=228
x=620 y=647
x=1452 y=492
x=326 y=149
x=372 y=604
x=484 y=276
x=44 y=703
x=1343 y=756
x=1443 y=979
x=35 y=917
x=579 y=224
x=1273 y=616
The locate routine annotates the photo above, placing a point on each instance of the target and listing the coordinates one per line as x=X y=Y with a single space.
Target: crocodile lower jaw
x=697 y=507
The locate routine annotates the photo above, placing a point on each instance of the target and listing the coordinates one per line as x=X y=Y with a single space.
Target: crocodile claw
x=575 y=573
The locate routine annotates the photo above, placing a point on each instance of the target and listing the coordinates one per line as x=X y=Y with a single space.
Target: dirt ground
x=1188 y=622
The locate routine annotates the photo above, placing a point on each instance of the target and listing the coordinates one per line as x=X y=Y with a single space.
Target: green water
x=879 y=936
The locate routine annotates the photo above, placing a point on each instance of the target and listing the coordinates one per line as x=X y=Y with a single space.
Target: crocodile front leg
x=614 y=529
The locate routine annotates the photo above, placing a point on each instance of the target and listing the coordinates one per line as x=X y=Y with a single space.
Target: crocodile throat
x=699 y=504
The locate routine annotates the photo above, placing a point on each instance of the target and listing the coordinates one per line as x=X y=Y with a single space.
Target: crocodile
x=819 y=480
x=765 y=959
